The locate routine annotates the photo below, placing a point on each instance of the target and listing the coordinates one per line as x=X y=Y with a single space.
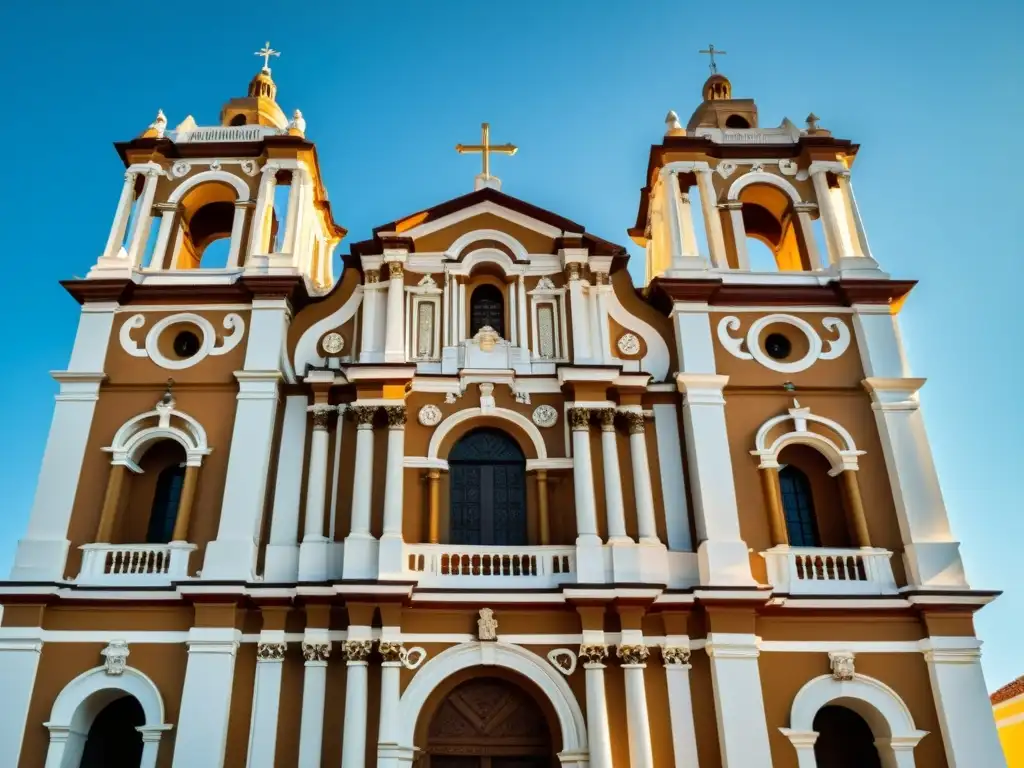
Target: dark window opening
x=186 y=344
x=488 y=490
x=735 y=121
x=165 y=505
x=777 y=346
x=238 y=120
x=798 y=506
x=844 y=740
x=487 y=307
x=113 y=741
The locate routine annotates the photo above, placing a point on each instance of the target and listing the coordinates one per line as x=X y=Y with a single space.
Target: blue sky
x=932 y=92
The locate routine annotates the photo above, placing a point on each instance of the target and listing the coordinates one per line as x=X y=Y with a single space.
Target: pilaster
x=19 y=662
x=353 y=742
x=739 y=703
x=266 y=699
x=202 y=732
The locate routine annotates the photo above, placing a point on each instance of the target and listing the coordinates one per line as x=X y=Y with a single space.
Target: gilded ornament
x=270 y=651
x=395 y=270
x=674 y=655
x=356 y=650
x=628 y=344
x=545 y=416
x=396 y=416
x=332 y=343
x=593 y=653
x=572 y=269
x=429 y=416
x=316 y=651
x=579 y=419
x=633 y=654
x=372 y=275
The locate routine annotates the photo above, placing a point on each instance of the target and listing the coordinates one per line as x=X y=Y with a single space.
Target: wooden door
x=488 y=490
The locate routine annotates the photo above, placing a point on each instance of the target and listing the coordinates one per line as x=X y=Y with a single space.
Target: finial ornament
x=266 y=52
x=298 y=123
x=159 y=124
x=711 y=51
x=812 y=123
x=672 y=125
x=485 y=148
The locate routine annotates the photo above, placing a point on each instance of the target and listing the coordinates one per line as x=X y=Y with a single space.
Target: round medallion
x=180 y=168
x=545 y=416
x=628 y=344
x=332 y=343
x=429 y=415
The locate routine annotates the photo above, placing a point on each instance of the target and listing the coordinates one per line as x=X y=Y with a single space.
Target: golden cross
x=711 y=52
x=266 y=52
x=486 y=148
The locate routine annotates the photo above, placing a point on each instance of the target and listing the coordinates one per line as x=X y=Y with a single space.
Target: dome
x=262 y=86
x=717 y=88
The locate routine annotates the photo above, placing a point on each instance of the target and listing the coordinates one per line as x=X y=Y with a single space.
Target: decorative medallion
x=563 y=659
x=593 y=654
x=545 y=284
x=633 y=654
x=180 y=169
x=250 y=167
x=628 y=344
x=842 y=664
x=270 y=651
x=208 y=345
x=487 y=625
x=674 y=655
x=115 y=657
x=788 y=167
x=314 y=652
x=749 y=348
x=332 y=343
x=545 y=416
x=414 y=657
x=726 y=169
x=429 y=416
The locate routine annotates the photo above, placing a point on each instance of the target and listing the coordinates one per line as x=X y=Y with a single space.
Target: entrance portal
x=113 y=740
x=488 y=722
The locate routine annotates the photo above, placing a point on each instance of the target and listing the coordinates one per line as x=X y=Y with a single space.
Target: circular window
x=186 y=344
x=777 y=346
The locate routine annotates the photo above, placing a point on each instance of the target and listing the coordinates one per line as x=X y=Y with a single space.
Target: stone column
x=143 y=219
x=368 y=350
x=394 y=343
x=961 y=701
x=19 y=661
x=185 y=502
x=392 y=548
x=316 y=650
x=282 y=557
x=313 y=553
x=202 y=733
x=513 y=314
x=739 y=704
x=856 y=224
x=712 y=219
x=722 y=554
x=634 y=662
x=434 y=509
x=616 y=509
x=598 y=731
x=168 y=214
x=524 y=336
x=294 y=214
x=829 y=216
x=803 y=215
x=583 y=475
x=111 y=499
x=115 y=239
x=392 y=653
x=773 y=500
x=353 y=741
x=237 y=228
x=460 y=313
x=855 y=508
x=673 y=480
x=259 y=232
x=680 y=703
x=579 y=308
x=646 y=526
x=739 y=233
x=266 y=700
x=361 y=491
x=544 y=519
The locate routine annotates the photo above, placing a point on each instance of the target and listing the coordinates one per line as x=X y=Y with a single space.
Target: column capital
x=396 y=270
x=579 y=419
x=633 y=655
x=371 y=276
x=392 y=651
x=270 y=651
x=675 y=656
x=356 y=651
x=729 y=645
x=593 y=655
x=321 y=414
x=363 y=415
x=634 y=422
x=396 y=416
x=607 y=417
x=316 y=652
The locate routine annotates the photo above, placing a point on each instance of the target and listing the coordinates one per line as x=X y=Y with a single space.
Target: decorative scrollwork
x=563 y=659
x=726 y=169
x=208 y=346
x=749 y=348
x=180 y=169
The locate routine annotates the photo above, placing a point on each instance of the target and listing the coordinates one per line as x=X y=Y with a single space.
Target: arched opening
x=207 y=217
x=113 y=741
x=487 y=489
x=166 y=498
x=489 y=722
x=154 y=495
x=238 y=120
x=487 y=308
x=844 y=740
x=773 y=235
x=736 y=121
x=812 y=500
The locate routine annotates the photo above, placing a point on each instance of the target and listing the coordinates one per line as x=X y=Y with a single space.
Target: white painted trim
x=1006 y=722
x=841 y=458
x=466 y=414
x=760 y=177
x=205 y=177
x=517 y=248
x=480 y=208
x=533 y=667
x=306 y=348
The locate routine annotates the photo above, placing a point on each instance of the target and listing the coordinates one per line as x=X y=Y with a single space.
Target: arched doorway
x=113 y=741
x=489 y=722
x=488 y=490
x=844 y=740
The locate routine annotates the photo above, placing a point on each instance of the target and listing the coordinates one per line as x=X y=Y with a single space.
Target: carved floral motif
x=579 y=419
x=115 y=657
x=429 y=416
x=356 y=650
x=634 y=422
x=395 y=270
x=321 y=413
x=270 y=651
x=316 y=651
x=593 y=653
x=633 y=654
x=674 y=655
x=333 y=343
x=363 y=415
x=545 y=416
x=391 y=651
x=607 y=416
x=841 y=663
x=396 y=416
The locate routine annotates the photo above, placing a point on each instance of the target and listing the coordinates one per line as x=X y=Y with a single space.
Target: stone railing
x=483 y=566
x=134 y=563
x=821 y=571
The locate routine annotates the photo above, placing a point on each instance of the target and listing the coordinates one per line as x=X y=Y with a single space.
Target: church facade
x=475 y=499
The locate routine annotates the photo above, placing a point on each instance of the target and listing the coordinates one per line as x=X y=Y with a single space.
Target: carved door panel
x=488 y=490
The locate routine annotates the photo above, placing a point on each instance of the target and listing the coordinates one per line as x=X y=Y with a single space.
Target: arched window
x=844 y=740
x=798 y=506
x=164 y=511
x=487 y=307
x=113 y=741
x=736 y=121
x=488 y=490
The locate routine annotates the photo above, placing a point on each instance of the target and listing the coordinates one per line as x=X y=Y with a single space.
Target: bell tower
x=252 y=182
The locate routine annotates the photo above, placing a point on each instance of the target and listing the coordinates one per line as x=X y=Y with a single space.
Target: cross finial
x=485 y=148
x=266 y=52
x=711 y=51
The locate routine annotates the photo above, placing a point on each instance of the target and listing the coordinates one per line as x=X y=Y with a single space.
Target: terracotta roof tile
x=1008 y=691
